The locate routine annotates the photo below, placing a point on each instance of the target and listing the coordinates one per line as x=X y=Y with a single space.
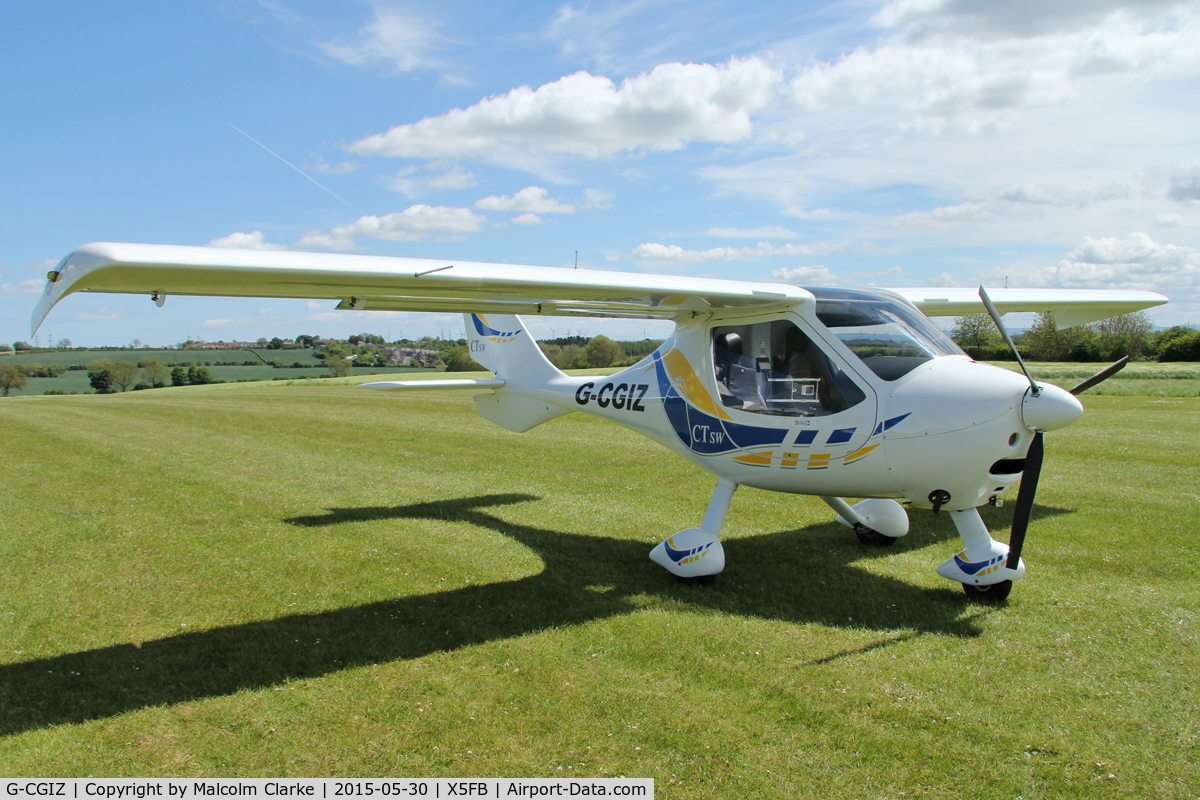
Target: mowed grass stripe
x=326 y=580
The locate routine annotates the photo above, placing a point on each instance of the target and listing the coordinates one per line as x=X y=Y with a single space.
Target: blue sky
x=915 y=142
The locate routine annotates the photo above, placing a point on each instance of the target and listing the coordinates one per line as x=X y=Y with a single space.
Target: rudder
x=501 y=343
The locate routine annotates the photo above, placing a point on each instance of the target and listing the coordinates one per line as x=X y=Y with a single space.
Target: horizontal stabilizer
x=462 y=383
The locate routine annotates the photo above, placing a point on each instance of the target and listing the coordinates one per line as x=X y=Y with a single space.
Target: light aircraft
x=820 y=391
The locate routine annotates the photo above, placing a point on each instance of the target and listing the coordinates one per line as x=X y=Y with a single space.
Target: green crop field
x=77 y=380
x=68 y=357
x=310 y=579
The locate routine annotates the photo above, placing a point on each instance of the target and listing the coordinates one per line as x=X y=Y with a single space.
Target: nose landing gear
x=982 y=565
x=876 y=522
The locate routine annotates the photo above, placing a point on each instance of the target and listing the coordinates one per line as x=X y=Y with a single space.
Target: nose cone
x=1054 y=408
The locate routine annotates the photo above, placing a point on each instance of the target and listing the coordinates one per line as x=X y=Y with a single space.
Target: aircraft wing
x=397 y=284
x=413 y=284
x=1069 y=306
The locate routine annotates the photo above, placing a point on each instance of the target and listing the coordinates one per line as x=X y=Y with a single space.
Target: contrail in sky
x=290 y=164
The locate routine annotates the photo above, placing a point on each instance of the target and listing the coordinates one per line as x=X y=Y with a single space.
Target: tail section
x=501 y=343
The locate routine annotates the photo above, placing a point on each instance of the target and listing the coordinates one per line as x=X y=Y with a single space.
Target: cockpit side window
x=774 y=368
x=888 y=336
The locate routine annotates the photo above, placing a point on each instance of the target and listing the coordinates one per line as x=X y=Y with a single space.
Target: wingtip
x=51 y=294
x=41 y=310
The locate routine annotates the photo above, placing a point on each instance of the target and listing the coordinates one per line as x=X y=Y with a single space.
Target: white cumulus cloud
x=245 y=241
x=811 y=275
x=591 y=117
x=533 y=199
x=673 y=252
x=949 y=81
x=413 y=224
x=1135 y=262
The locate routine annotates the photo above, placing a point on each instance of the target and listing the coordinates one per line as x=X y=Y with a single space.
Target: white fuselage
x=950 y=432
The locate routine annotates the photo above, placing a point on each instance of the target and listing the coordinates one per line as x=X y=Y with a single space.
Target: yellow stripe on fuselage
x=857 y=454
x=760 y=459
x=692 y=389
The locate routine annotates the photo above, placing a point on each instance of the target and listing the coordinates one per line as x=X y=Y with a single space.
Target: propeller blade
x=1101 y=376
x=1029 y=482
x=991 y=309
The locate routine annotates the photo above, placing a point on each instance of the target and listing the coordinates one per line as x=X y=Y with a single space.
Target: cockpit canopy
x=774 y=367
x=890 y=337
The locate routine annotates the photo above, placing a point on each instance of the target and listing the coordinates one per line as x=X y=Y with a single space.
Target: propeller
x=1102 y=375
x=991 y=309
x=1033 y=459
x=1025 y=495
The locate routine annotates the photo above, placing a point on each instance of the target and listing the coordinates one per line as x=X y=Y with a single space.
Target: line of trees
x=108 y=377
x=35 y=370
x=62 y=344
x=573 y=353
x=1130 y=335
x=14 y=376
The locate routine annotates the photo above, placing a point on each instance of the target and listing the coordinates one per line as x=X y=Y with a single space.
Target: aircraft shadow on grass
x=801 y=576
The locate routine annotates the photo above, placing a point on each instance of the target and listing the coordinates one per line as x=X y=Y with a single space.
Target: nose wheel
x=873 y=538
x=992 y=593
x=696 y=580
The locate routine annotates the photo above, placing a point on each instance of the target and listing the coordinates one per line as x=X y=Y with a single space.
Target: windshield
x=889 y=337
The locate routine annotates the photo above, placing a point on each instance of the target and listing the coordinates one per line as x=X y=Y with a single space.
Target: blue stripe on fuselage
x=702 y=432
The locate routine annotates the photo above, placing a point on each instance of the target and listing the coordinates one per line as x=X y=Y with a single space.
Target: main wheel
x=873 y=538
x=992 y=593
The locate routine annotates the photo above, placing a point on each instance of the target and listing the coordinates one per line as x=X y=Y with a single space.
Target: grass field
x=308 y=579
x=1138 y=379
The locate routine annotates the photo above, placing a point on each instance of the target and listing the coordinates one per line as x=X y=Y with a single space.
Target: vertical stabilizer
x=501 y=343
